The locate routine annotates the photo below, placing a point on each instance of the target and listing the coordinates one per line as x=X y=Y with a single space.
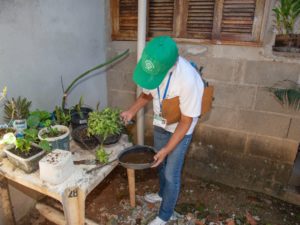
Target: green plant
x=51 y=131
x=62 y=117
x=104 y=123
x=286 y=14
x=101 y=155
x=287 y=93
x=69 y=88
x=16 y=109
x=38 y=118
x=31 y=136
x=78 y=106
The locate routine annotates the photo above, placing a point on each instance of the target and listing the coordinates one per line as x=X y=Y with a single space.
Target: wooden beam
x=55 y=215
x=131 y=184
x=5 y=206
x=73 y=202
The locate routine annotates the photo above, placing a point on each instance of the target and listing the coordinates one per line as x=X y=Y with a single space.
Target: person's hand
x=159 y=157
x=126 y=116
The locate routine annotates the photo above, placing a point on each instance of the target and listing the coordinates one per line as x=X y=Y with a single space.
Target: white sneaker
x=157 y=221
x=176 y=216
x=152 y=198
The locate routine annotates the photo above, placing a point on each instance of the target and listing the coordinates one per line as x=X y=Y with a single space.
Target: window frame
x=179 y=25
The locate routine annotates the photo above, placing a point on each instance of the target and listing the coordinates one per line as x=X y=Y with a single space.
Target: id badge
x=159 y=121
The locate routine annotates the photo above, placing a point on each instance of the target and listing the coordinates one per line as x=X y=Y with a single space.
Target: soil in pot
x=33 y=151
x=78 y=119
x=80 y=135
x=49 y=135
x=141 y=157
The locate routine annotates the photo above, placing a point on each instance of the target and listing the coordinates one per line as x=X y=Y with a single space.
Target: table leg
x=73 y=202
x=131 y=184
x=5 y=207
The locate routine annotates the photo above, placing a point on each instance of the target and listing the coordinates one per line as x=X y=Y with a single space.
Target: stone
x=56 y=167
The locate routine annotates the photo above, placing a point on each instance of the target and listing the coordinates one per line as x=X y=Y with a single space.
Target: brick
x=120 y=99
x=265 y=73
x=282 y=150
x=219 y=69
x=234 y=96
x=120 y=80
x=222 y=139
x=263 y=123
x=294 y=131
x=223 y=117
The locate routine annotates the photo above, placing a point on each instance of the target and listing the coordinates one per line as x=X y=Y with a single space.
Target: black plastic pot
x=84 y=141
x=136 y=149
x=80 y=118
x=111 y=139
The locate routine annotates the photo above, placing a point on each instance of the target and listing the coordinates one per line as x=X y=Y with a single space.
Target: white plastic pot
x=60 y=142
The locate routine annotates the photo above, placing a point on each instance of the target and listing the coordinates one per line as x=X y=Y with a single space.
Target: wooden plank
x=6 y=206
x=218 y=14
x=258 y=19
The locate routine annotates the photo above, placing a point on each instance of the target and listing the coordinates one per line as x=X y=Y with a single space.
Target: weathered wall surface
x=249 y=140
x=40 y=41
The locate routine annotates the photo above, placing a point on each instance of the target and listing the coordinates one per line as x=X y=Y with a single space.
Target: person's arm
x=140 y=102
x=180 y=131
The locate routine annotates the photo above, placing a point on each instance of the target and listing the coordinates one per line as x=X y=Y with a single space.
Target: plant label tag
x=82 y=121
x=159 y=121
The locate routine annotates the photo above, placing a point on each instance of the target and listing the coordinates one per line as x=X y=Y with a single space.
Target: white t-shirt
x=186 y=83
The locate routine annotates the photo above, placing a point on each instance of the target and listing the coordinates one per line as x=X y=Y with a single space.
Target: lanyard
x=165 y=93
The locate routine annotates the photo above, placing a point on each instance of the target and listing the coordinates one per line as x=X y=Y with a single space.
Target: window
x=216 y=20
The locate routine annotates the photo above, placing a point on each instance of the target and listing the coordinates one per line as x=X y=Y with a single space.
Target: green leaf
x=45 y=145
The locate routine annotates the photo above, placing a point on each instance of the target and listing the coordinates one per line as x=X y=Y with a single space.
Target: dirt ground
x=200 y=203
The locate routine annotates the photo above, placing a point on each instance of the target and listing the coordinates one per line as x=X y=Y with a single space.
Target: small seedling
x=101 y=155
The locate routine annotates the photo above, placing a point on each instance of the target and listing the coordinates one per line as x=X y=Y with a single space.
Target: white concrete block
x=56 y=167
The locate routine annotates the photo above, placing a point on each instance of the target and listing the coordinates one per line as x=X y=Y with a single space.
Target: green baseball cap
x=159 y=55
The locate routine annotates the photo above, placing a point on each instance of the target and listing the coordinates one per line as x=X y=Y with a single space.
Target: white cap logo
x=149 y=65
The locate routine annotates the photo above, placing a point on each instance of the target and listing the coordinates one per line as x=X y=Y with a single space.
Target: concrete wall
x=42 y=40
x=249 y=140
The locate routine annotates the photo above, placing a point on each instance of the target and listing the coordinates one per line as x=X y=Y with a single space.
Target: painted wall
x=249 y=140
x=42 y=40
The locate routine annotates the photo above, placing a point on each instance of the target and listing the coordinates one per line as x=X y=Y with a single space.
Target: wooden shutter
x=161 y=17
x=200 y=16
x=124 y=19
x=240 y=19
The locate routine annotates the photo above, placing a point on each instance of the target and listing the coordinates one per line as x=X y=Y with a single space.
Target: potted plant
x=81 y=136
x=57 y=135
x=62 y=117
x=38 y=118
x=105 y=125
x=287 y=39
x=15 y=112
x=26 y=152
x=79 y=114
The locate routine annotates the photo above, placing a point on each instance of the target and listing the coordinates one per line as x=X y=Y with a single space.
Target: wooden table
x=71 y=193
